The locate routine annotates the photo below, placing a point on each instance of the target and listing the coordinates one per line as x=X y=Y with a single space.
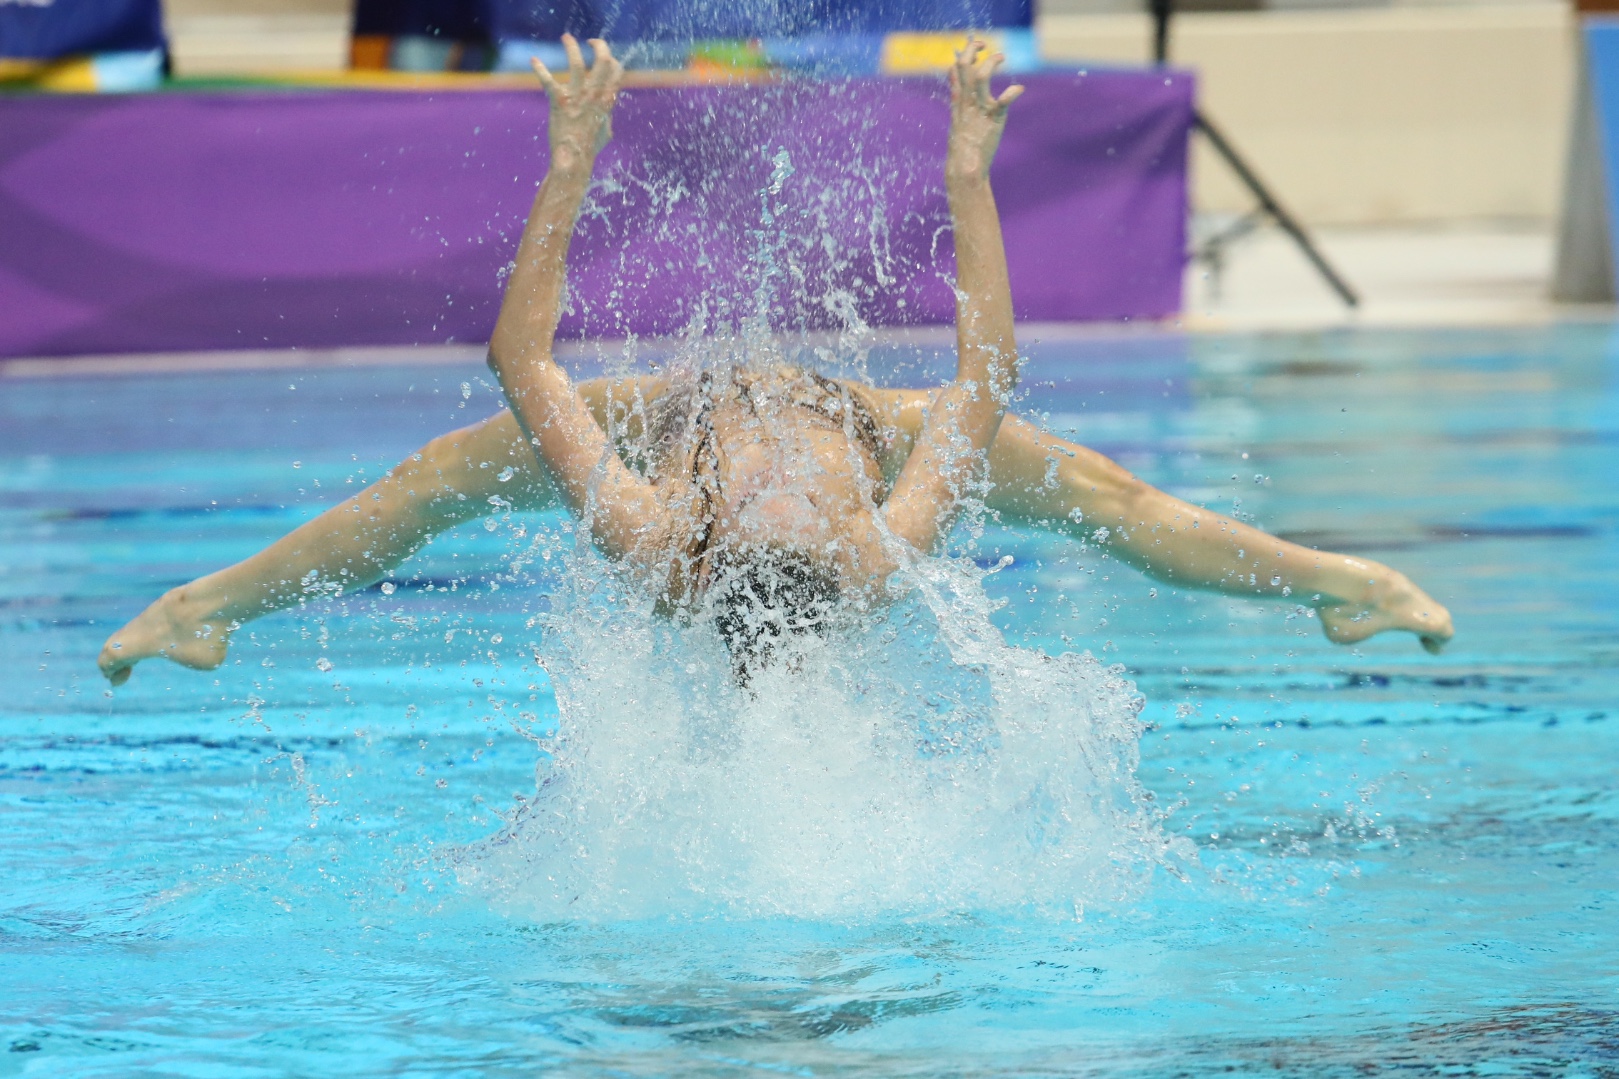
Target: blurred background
x=1426 y=144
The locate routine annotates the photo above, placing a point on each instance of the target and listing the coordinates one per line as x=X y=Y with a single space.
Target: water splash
x=756 y=211
x=769 y=246
x=914 y=762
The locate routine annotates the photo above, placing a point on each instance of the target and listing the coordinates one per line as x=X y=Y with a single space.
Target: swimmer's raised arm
x=554 y=418
x=967 y=413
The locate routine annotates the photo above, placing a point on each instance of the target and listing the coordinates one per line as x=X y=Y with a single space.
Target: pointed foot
x=170 y=629
x=1394 y=603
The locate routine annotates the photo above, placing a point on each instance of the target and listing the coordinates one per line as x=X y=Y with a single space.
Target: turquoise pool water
x=1402 y=863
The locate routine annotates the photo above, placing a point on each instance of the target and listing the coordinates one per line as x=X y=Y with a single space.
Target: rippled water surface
x=1401 y=862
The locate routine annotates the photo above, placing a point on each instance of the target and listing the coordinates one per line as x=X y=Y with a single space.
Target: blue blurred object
x=687 y=20
x=127 y=72
x=32 y=31
x=516 y=55
x=1597 y=125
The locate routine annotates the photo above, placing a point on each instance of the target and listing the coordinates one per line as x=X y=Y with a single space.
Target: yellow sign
x=927 y=54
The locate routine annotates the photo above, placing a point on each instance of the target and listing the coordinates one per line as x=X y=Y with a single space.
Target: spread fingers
x=576 y=58
x=543 y=73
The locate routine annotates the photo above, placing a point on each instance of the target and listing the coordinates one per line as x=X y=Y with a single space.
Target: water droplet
x=388 y=588
x=506 y=473
x=323 y=664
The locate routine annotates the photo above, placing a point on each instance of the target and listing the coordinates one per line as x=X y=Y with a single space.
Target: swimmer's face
x=778 y=519
x=767 y=503
x=794 y=486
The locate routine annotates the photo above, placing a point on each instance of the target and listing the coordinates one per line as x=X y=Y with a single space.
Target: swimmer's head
x=765 y=595
x=774 y=518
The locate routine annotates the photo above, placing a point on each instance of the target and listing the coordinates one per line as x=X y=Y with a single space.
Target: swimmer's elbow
x=1132 y=496
x=502 y=360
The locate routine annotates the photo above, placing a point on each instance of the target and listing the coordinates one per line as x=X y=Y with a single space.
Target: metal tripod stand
x=1213 y=248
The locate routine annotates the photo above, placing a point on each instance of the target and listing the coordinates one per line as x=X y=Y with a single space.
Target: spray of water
x=911 y=760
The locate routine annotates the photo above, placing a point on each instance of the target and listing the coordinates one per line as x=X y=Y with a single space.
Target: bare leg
x=351 y=545
x=1043 y=479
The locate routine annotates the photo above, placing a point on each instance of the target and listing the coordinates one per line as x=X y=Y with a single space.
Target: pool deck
x=1485 y=273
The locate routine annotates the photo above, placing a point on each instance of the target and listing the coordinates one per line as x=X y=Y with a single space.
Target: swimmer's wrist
x=965 y=183
x=571 y=162
x=966 y=166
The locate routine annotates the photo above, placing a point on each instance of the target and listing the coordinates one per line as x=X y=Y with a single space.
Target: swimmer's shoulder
x=620 y=404
x=899 y=415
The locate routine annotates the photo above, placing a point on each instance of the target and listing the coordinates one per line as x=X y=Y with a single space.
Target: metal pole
x=1268 y=203
x=1161 y=12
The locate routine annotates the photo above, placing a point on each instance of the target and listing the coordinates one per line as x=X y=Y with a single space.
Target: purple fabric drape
x=304 y=218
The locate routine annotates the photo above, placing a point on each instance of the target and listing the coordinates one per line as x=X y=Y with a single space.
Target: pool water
x=1402 y=862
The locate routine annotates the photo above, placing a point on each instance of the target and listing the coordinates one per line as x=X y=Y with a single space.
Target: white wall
x=1369 y=116
x=235 y=37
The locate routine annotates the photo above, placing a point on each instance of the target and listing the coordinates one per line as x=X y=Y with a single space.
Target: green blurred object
x=731 y=53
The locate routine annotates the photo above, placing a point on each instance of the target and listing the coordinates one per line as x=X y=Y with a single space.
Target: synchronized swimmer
x=762 y=495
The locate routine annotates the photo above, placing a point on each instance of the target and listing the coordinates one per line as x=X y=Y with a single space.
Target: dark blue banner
x=678 y=20
x=459 y=20
x=33 y=30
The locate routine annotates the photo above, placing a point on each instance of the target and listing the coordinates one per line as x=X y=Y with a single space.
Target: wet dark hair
x=766 y=595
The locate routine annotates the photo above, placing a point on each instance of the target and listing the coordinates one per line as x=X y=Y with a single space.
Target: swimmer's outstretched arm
x=1044 y=480
x=357 y=542
x=621 y=508
x=965 y=415
x=348 y=547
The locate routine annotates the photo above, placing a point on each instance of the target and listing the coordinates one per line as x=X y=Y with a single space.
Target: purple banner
x=310 y=219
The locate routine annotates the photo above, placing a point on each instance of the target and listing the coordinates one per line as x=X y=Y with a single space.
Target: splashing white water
x=915 y=762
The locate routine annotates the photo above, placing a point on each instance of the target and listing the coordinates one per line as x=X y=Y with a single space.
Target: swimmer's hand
x=581 y=118
x=977 y=117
